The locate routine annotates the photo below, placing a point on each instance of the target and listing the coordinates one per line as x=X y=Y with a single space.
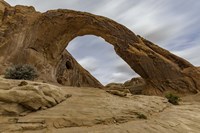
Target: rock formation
x=134 y=86
x=19 y=97
x=40 y=39
x=70 y=73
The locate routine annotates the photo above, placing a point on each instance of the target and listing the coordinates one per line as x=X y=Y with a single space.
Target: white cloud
x=89 y=63
x=191 y=53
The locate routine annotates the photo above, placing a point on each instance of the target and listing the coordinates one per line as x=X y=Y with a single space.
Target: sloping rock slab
x=15 y=99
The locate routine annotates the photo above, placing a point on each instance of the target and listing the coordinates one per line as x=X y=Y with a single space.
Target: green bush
x=173 y=99
x=26 y=72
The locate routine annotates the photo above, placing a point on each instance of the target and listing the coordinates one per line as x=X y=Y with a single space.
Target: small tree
x=25 y=71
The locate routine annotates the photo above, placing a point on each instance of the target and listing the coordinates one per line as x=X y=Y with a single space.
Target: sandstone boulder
x=15 y=99
x=135 y=86
x=134 y=82
x=117 y=93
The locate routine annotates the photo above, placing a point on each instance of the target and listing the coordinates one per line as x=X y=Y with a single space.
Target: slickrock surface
x=92 y=110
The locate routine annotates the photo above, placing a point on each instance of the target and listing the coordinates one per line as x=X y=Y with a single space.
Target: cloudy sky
x=172 y=24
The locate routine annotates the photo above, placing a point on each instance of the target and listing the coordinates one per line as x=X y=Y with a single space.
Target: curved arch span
x=151 y=62
x=44 y=37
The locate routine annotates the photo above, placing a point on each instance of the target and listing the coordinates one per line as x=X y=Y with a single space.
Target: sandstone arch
x=41 y=39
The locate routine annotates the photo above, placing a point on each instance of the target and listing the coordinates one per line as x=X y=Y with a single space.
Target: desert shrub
x=173 y=99
x=141 y=116
x=26 y=72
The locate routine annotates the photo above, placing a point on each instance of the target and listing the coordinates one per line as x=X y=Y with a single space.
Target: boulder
x=15 y=99
x=117 y=93
x=134 y=86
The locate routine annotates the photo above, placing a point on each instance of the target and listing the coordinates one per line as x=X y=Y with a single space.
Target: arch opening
x=100 y=59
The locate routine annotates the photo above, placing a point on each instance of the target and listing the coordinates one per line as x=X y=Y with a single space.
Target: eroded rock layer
x=27 y=36
x=19 y=97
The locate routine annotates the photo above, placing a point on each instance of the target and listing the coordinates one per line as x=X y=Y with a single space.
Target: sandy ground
x=92 y=110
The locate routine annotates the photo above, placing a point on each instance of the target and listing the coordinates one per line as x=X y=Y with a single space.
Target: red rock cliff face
x=40 y=39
